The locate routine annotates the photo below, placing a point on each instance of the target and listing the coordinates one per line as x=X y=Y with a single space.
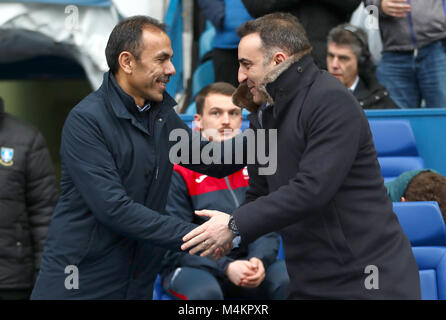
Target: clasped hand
x=212 y=238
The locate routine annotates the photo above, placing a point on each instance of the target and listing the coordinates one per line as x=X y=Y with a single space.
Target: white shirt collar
x=354 y=85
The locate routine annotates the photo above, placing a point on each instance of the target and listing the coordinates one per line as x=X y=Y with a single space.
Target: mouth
x=163 y=81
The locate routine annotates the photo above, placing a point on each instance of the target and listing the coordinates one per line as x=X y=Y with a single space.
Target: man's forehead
x=220 y=100
x=250 y=48
x=343 y=49
x=158 y=39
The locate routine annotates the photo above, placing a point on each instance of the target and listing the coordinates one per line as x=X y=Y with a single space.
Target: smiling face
x=146 y=77
x=253 y=66
x=221 y=115
x=342 y=63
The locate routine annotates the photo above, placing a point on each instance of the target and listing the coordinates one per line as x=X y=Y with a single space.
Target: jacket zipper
x=237 y=204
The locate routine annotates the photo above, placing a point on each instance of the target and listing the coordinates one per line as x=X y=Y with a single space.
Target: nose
x=241 y=75
x=225 y=118
x=335 y=63
x=170 y=69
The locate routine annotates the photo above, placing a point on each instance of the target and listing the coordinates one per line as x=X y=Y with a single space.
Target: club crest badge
x=7 y=156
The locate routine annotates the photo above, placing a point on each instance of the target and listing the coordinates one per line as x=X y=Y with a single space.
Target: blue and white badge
x=7 y=155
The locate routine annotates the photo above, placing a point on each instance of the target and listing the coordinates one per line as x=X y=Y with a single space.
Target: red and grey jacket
x=190 y=191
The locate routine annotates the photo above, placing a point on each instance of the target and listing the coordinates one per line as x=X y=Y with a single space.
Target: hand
x=395 y=8
x=239 y=270
x=222 y=251
x=253 y=281
x=209 y=236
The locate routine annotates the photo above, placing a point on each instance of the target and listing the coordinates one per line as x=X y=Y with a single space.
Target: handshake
x=212 y=238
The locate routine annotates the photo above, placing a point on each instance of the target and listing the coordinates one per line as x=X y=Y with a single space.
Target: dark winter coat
x=109 y=227
x=28 y=195
x=327 y=198
x=372 y=95
x=318 y=17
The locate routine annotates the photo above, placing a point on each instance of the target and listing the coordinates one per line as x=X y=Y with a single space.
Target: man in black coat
x=349 y=60
x=28 y=195
x=327 y=198
x=109 y=231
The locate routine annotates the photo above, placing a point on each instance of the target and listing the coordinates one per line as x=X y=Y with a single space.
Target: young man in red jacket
x=253 y=272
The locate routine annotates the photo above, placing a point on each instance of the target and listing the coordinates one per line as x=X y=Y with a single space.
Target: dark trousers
x=198 y=284
x=15 y=294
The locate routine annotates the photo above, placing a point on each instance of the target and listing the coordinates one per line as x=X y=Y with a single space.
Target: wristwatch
x=233 y=227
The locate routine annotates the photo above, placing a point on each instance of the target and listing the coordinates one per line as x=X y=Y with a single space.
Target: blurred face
x=147 y=76
x=253 y=66
x=221 y=119
x=342 y=63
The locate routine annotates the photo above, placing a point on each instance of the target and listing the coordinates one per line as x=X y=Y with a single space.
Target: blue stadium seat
x=422 y=222
x=158 y=291
x=432 y=267
x=396 y=147
x=205 y=42
x=203 y=75
x=425 y=227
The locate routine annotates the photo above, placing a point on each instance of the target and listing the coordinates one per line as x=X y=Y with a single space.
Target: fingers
x=206 y=213
x=194 y=233
x=396 y=8
x=194 y=242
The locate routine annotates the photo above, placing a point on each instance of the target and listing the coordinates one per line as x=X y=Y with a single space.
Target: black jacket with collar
x=371 y=94
x=327 y=198
x=28 y=195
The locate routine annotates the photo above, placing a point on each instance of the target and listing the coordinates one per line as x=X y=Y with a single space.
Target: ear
x=126 y=62
x=197 y=120
x=279 y=57
x=403 y=199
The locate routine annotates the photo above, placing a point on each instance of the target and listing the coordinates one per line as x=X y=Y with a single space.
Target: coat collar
x=282 y=82
x=121 y=102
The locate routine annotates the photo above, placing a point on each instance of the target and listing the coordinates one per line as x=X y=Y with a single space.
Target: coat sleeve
x=214 y=11
x=90 y=165
x=41 y=193
x=179 y=205
x=265 y=248
x=333 y=128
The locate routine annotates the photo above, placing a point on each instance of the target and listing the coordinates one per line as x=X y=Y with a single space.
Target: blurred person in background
x=226 y=16
x=413 y=63
x=28 y=195
x=349 y=60
x=419 y=185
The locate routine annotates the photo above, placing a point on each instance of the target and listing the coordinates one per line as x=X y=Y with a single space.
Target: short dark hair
x=126 y=36
x=277 y=30
x=351 y=36
x=428 y=186
x=223 y=88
